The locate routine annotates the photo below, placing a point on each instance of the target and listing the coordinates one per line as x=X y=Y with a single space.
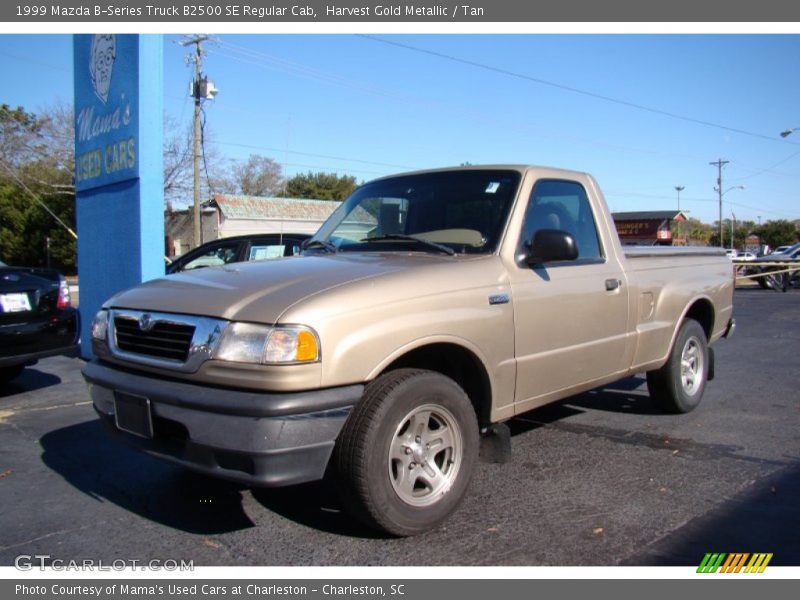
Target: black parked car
x=262 y=246
x=790 y=256
x=36 y=318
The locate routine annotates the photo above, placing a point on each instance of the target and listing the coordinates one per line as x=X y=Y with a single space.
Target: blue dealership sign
x=119 y=166
x=106 y=109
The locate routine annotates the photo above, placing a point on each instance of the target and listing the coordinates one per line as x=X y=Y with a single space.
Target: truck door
x=571 y=317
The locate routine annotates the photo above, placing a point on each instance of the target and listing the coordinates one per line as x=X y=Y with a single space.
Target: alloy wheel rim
x=692 y=366
x=425 y=455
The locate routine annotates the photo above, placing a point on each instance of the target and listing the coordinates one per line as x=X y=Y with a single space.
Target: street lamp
x=679 y=189
x=721 y=194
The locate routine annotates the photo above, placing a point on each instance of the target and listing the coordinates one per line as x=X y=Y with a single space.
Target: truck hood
x=262 y=291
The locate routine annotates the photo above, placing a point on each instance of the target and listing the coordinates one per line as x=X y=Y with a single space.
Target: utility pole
x=733 y=228
x=719 y=164
x=197 y=59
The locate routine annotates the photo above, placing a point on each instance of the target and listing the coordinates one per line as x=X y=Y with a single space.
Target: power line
x=253 y=57
x=261 y=60
x=39 y=63
x=249 y=56
x=355 y=160
x=568 y=88
x=769 y=169
x=761 y=209
x=203 y=149
x=38 y=200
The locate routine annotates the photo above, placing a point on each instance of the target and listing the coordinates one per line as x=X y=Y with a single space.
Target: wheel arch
x=451 y=359
x=702 y=311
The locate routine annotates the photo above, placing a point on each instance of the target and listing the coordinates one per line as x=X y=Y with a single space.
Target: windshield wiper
x=325 y=245
x=410 y=238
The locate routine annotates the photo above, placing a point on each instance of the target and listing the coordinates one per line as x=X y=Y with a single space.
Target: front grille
x=165 y=339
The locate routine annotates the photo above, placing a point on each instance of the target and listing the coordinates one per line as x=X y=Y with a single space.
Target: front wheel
x=678 y=386
x=406 y=454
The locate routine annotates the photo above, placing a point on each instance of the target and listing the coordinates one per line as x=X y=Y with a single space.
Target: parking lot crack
x=52 y=534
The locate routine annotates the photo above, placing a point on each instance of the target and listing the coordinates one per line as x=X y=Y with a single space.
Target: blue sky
x=636 y=111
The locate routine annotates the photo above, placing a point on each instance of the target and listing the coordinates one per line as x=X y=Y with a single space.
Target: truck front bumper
x=259 y=439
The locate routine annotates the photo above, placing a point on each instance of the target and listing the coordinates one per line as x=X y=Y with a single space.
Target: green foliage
x=36 y=166
x=740 y=229
x=320 y=186
x=19 y=135
x=778 y=233
x=773 y=233
x=697 y=233
x=12 y=221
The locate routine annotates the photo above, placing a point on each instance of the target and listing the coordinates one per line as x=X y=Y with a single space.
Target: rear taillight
x=64 y=299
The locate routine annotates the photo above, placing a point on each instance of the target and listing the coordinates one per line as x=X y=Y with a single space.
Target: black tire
x=9 y=373
x=778 y=282
x=672 y=388
x=405 y=456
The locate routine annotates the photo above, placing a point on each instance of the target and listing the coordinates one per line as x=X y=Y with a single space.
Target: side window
x=266 y=251
x=562 y=205
x=215 y=256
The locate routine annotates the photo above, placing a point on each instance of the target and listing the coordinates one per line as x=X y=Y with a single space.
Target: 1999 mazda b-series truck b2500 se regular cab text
x=428 y=309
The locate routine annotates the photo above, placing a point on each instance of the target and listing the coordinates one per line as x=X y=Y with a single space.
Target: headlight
x=243 y=342
x=292 y=344
x=289 y=344
x=100 y=326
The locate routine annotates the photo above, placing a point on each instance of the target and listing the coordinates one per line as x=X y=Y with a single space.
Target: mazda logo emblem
x=146 y=322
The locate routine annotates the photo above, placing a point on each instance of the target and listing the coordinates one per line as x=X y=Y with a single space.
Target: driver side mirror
x=551 y=245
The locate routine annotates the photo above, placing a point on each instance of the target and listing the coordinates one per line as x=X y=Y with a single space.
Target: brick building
x=650 y=228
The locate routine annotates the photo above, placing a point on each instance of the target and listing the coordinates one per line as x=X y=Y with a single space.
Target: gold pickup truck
x=430 y=308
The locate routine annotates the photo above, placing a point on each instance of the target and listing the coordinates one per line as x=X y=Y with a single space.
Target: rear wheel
x=678 y=386
x=407 y=452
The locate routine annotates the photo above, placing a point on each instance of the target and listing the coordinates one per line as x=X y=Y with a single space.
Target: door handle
x=612 y=284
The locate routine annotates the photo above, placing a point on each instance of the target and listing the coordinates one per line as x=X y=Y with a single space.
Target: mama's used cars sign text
x=106 y=119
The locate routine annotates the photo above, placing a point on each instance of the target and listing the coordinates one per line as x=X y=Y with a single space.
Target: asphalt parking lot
x=599 y=479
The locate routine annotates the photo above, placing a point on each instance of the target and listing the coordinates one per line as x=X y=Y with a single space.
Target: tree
x=179 y=166
x=697 y=233
x=741 y=229
x=320 y=186
x=178 y=163
x=258 y=176
x=777 y=233
x=12 y=221
x=19 y=136
x=37 y=193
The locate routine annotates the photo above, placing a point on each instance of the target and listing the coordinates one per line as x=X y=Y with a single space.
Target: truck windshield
x=462 y=211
